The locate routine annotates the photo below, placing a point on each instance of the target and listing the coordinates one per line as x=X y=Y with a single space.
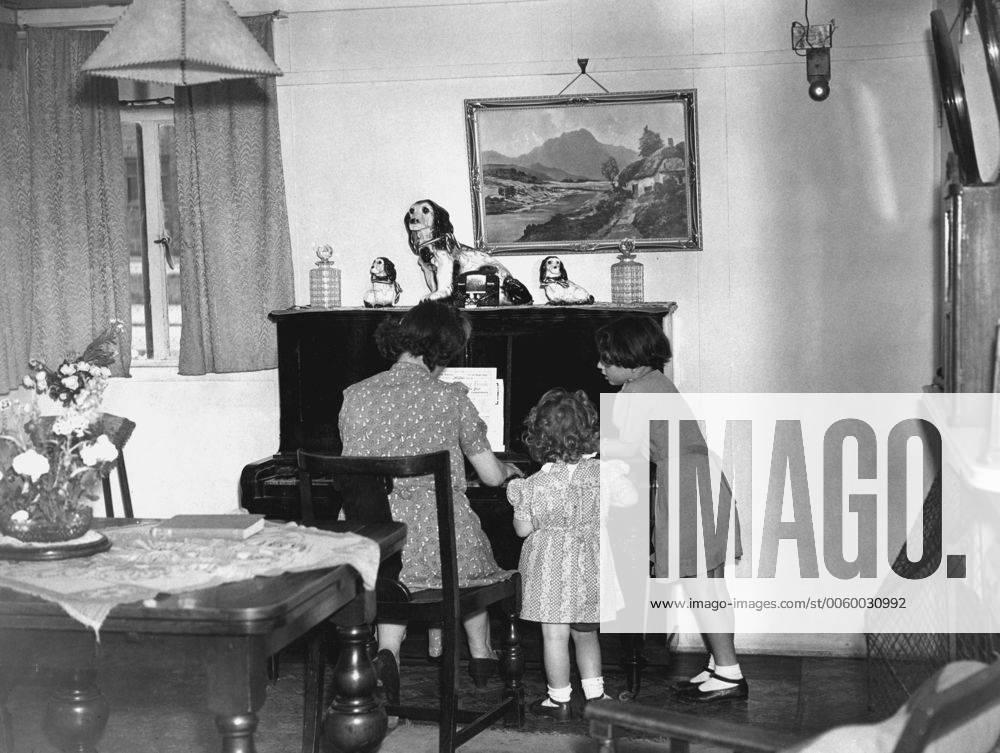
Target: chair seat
x=364 y=485
x=425 y=605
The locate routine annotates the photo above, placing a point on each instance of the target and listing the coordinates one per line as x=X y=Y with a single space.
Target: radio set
x=477 y=288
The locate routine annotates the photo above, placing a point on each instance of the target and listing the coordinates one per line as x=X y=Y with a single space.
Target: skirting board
x=791 y=644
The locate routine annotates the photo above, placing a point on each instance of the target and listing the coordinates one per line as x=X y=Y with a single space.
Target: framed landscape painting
x=574 y=174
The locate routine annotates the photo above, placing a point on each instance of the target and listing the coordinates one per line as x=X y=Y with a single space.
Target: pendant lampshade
x=180 y=42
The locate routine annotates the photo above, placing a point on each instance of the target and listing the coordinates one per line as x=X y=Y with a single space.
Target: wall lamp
x=813 y=41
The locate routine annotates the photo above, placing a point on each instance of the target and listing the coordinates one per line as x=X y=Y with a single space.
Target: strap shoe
x=559 y=712
x=737 y=690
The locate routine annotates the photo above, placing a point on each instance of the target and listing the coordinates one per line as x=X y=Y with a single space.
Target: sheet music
x=486 y=393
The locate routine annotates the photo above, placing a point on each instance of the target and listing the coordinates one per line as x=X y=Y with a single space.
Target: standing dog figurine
x=557 y=286
x=384 y=290
x=441 y=257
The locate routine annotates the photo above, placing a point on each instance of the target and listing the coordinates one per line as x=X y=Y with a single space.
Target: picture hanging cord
x=582 y=62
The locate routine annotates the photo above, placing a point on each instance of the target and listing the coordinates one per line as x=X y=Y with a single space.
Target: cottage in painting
x=666 y=163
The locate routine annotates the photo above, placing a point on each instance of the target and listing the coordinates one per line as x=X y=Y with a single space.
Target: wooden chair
x=969 y=708
x=119 y=430
x=363 y=484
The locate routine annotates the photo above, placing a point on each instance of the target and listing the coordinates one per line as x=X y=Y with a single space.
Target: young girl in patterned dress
x=558 y=509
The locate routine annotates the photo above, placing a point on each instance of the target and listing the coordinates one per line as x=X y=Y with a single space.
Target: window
x=152 y=224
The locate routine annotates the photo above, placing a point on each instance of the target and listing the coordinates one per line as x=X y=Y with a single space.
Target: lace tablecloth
x=139 y=567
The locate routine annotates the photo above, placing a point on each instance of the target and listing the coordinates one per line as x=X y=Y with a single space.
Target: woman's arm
x=490 y=470
x=523 y=527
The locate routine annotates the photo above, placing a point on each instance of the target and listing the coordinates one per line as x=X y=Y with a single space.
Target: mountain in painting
x=571 y=156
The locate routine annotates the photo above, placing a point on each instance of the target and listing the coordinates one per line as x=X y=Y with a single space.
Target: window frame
x=149 y=119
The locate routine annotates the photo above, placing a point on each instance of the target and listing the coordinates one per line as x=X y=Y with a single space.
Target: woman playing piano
x=407 y=410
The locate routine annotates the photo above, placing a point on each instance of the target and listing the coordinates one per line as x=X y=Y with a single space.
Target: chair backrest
x=935 y=713
x=365 y=483
x=119 y=430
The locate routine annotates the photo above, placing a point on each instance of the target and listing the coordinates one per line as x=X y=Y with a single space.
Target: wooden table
x=233 y=629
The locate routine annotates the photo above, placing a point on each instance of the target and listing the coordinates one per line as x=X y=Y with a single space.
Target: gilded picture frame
x=580 y=174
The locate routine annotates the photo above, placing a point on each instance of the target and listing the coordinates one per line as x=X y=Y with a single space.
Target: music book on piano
x=225 y=526
x=486 y=393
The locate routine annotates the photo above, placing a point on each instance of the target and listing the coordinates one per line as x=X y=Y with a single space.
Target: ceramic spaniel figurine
x=384 y=290
x=556 y=284
x=442 y=258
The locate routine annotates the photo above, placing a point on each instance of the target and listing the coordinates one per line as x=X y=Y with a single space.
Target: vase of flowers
x=51 y=465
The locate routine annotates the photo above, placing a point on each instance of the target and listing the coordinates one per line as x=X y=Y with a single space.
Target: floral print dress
x=407 y=411
x=563 y=580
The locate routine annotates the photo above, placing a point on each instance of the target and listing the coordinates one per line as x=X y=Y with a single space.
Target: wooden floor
x=796 y=694
x=159 y=708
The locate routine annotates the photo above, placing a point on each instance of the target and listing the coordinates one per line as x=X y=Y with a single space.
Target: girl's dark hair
x=562 y=426
x=434 y=330
x=631 y=341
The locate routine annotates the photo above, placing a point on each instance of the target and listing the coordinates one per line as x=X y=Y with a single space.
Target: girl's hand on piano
x=511 y=471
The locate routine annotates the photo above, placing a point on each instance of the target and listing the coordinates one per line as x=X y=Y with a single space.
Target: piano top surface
x=652 y=307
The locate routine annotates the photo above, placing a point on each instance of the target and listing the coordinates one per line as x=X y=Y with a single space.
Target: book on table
x=225 y=526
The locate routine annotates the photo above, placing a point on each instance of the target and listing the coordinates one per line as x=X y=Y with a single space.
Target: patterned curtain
x=236 y=262
x=63 y=242
x=15 y=298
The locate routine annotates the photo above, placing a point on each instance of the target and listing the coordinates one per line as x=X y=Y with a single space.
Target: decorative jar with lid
x=626 y=275
x=324 y=281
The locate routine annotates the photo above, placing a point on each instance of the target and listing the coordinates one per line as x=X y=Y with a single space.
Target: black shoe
x=560 y=712
x=481 y=670
x=588 y=701
x=387 y=675
x=737 y=691
x=687 y=684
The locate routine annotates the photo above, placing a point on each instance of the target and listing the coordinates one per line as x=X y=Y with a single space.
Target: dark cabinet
x=970 y=308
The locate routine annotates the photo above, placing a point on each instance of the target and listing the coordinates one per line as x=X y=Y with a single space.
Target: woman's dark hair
x=632 y=341
x=562 y=426
x=434 y=330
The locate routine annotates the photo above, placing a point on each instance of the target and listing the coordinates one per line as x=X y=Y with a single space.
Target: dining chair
x=363 y=485
x=119 y=430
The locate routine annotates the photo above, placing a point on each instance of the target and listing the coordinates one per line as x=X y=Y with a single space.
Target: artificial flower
x=101 y=450
x=51 y=466
x=30 y=463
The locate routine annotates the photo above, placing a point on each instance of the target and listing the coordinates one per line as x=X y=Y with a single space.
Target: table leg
x=236 y=670
x=77 y=713
x=237 y=732
x=356 y=721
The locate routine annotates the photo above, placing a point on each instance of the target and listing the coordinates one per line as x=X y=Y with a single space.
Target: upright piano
x=533 y=348
x=322 y=351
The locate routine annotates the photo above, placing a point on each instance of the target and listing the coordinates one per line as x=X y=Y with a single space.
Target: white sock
x=434 y=647
x=559 y=695
x=593 y=687
x=704 y=674
x=731 y=674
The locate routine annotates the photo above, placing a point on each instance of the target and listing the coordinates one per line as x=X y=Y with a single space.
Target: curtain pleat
x=15 y=292
x=63 y=255
x=80 y=269
x=235 y=250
